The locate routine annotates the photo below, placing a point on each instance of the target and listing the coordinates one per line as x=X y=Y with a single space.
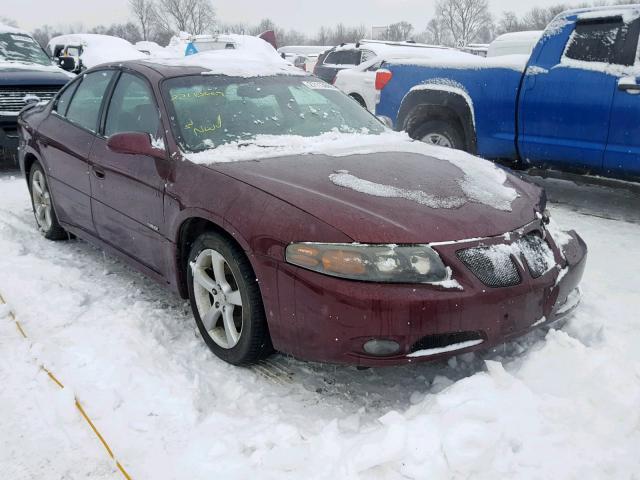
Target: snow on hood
x=98 y=49
x=10 y=66
x=252 y=57
x=482 y=182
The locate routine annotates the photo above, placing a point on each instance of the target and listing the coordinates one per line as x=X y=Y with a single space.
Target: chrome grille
x=13 y=100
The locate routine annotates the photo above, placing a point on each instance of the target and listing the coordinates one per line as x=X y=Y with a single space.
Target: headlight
x=371 y=263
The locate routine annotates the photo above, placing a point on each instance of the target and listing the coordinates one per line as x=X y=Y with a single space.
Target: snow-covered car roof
x=251 y=57
x=632 y=11
x=98 y=48
x=305 y=49
x=9 y=29
x=385 y=48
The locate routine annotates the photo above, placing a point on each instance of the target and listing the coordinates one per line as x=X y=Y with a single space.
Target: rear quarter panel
x=492 y=87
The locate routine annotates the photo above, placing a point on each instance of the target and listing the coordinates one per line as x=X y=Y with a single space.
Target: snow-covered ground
x=558 y=404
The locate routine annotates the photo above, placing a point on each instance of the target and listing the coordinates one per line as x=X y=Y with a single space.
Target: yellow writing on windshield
x=201 y=94
x=202 y=129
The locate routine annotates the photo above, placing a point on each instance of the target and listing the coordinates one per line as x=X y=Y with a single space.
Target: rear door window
x=84 y=109
x=601 y=41
x=132 y=107
x=343 y=57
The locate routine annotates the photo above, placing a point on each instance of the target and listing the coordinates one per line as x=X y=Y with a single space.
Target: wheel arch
x=358 y=98
x=29 y=159
x=435 y=101
x=189 y=229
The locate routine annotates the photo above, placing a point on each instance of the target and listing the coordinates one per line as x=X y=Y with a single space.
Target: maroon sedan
x=291 y=218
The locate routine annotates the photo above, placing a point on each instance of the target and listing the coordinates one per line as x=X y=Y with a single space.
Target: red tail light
x=382 y=78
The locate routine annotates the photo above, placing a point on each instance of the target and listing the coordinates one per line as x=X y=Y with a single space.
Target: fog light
x=382 y=348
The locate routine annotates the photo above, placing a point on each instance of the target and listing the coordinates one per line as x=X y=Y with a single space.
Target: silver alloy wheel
x=437 y=139
x=217 y=298
x=41 y=201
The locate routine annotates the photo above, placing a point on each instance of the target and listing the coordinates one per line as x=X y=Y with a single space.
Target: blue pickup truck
x=573 y=105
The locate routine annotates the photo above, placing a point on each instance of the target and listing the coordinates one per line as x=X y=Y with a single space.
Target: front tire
x=42 y=204
x=226 y=301
x=442 y=133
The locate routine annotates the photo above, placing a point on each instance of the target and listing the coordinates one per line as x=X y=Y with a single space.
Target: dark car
x=26 y=75
x=266 y=202
x=339 y=58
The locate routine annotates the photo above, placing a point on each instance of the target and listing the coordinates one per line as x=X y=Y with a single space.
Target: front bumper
x=329 y=320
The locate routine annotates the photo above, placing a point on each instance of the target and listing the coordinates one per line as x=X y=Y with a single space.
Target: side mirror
x=135 y=143
x=67 y=63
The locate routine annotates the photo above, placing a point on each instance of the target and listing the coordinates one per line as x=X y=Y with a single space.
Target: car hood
x=397 y=197
x=13 y=74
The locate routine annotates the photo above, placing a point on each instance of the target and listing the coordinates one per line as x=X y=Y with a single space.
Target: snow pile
x=627 y=13
x=98 y=49
x=562 y=405
x=344 y=179
x=252 y=57
x=154 y=49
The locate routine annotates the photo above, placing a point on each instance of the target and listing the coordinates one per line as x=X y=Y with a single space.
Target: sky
x=302 y=15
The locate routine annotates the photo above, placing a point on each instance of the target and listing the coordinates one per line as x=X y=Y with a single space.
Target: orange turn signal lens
x=344 y=262
x=303 y=255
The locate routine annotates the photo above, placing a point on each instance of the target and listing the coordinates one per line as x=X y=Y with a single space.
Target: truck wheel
x=226 y=300
x=42 y=204
x=441 y=133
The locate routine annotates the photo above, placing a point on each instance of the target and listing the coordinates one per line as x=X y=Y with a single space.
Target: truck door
x=565 y=108
x=622 y=156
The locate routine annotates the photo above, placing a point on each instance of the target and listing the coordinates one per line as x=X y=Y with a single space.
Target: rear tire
x=443 y=133
x=226 y=301
x=42 y=204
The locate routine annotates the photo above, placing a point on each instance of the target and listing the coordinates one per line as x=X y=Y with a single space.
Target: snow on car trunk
x=564 y=405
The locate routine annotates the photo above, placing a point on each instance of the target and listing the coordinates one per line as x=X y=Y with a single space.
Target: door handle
x=629 y=85
x=98 y=173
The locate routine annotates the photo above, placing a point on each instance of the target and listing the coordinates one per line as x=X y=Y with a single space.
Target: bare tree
x=193 y=16
x=538 y=18
x=8 y=21
x=435 y=33
x=129 y=31
x=144 y=12
x=509 y=23
x=399 y=32
x=464 y=19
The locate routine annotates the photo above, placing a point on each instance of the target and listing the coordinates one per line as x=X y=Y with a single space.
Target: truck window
x=597 y=41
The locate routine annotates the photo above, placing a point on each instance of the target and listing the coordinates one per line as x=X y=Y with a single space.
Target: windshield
x=18 y=47
x=216 y=110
